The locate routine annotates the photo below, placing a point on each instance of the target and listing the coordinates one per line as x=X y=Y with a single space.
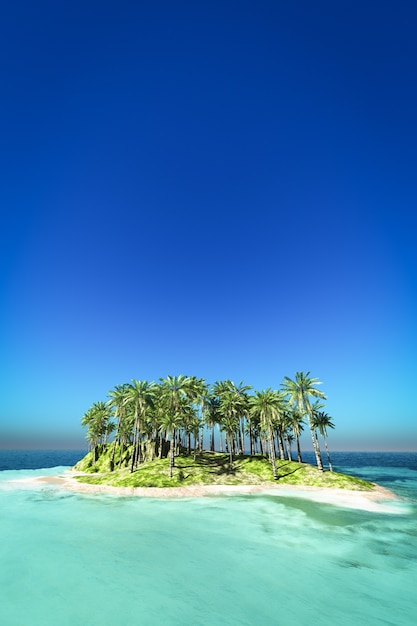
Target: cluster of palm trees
x=159 y=419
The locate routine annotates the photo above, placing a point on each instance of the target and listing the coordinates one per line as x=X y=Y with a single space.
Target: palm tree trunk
x=133 y=458
x=134 y=450
x=212 y=439
x=171 y=455
x=316 y=447
x=241 y=438
x=288 y=446
x=328 y=454
x=231 y=453
x=151 y=449
x=272 y=454
x=160 y=445
x=280 y=446
x=121 y=454
x=300 y=460
x=281 y=437
x=139 y=458
x=196 y=443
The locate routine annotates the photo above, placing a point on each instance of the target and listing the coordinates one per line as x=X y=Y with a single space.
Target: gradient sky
x=220 y=189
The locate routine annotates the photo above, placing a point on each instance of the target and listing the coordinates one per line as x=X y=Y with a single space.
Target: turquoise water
x=81 y=560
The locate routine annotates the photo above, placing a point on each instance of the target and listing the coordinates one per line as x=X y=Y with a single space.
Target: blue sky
x=221 y=189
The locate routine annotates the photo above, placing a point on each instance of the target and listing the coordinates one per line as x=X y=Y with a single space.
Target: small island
x=182 y=437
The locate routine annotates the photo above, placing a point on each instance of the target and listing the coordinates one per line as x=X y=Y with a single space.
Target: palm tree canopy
x=296 y=421
x=118 y=398
x=175 y=388
x=97 y=420
x=301 y=389
x=322 y=421
x=267 y=405
x=175 y=401
x=141 y=394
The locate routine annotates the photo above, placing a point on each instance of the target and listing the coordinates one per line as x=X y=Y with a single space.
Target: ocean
x=103 y=560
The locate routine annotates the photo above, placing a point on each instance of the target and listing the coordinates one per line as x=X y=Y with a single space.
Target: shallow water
x=84 y=560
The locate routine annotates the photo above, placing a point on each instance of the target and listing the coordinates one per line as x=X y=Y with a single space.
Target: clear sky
x=219 y=189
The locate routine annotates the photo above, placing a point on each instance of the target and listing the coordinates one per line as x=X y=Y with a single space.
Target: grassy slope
x=212 y=469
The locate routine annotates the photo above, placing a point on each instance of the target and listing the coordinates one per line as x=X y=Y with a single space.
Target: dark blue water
x=38 y=459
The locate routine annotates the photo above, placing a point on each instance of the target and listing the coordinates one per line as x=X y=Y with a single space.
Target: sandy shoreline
x=379 y=500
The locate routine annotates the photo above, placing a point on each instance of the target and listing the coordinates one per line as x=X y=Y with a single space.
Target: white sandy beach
x=378 y=500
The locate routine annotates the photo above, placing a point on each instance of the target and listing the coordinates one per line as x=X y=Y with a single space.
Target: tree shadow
x=288 y=473
x=214 y=465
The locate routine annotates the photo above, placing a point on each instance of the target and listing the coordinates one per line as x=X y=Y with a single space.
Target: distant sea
x=38 y=459
x=100 y=560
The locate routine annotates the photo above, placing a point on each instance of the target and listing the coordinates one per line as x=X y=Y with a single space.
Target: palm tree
x=254 y=432
x=229 y=407
x=97 y=420
x=240 y=391
x=194 y=424
x=217 y=389
x=173 y=398
x=289 y=438
x=211 y=416
x=169 y=423
x=227 y=389
x=140 y=395
x=299 y=391
x=124 y=432
x=119 y=397
x=156 y=415
x=296 y=421
x=267 y=405
x=93 y=435
x=321 y=421
x=198 y=395
x=110 y=428
x=281 y=424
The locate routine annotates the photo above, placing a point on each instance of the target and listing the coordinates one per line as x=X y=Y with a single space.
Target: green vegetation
x=159 y=431
x=209 y=468
x=153 y=421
